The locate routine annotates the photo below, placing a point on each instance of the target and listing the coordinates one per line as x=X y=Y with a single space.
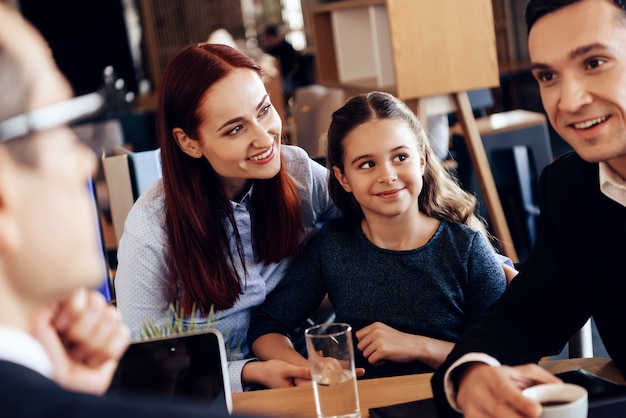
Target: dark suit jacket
x=25 y=393
x=575 y=270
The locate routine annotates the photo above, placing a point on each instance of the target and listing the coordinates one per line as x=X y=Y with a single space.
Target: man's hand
x=486 y=391
x=85 y=339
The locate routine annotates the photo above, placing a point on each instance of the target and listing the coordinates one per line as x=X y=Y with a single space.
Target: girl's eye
x=367 y=164
x=401 y=157
x=544 y=76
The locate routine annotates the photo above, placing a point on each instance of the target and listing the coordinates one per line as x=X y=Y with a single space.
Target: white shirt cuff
x=235 y=368
x=448 y=385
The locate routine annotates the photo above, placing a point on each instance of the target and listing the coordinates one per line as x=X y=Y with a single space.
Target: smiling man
x=578 y=54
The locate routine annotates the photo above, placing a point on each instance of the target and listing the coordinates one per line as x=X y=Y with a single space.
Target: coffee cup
x=559 y=400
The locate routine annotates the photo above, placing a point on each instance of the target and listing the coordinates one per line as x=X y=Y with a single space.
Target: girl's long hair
x=199 y=216
x=442 y=197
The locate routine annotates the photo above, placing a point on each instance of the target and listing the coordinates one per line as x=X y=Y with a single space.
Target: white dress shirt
x=19 y=347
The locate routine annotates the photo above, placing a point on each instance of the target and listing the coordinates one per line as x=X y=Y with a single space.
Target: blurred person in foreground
x=578 y=57
x=59 y=343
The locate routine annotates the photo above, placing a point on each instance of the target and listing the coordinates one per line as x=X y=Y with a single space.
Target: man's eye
x=595 y=63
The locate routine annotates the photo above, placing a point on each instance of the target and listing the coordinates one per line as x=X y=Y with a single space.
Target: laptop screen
x=191 y=366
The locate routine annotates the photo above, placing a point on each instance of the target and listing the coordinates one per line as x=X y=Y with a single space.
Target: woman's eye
x=235 y=130
x=367 y=164
x=265 y=109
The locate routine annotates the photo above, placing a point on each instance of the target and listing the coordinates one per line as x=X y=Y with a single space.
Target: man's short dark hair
x=536 y=9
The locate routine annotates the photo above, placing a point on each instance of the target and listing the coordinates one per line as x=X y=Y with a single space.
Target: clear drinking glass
x=331 y=358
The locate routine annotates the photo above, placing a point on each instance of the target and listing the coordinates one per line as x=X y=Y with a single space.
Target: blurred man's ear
x=9 y=231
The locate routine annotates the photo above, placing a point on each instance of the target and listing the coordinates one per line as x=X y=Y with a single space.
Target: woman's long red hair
x=198 y=210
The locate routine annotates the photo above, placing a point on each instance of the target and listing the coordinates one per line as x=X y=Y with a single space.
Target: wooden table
x=298 y=401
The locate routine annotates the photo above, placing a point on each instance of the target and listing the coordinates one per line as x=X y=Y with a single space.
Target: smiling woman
x=233 y=207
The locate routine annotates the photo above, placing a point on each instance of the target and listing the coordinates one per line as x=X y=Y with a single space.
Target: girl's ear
x=189 y=146
x=341 y=178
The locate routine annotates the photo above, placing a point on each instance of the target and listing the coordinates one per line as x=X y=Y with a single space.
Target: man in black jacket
x=59 y=342
x=575 y=271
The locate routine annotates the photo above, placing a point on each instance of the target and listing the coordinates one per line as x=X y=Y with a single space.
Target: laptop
x=188 y=366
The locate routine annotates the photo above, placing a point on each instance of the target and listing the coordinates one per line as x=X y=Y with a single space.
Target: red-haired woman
x=233 y=207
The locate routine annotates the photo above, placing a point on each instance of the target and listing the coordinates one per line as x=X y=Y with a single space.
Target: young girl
x=407 y=265
x=233 y=207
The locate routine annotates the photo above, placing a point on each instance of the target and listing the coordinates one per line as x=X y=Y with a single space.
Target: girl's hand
x=380 y=342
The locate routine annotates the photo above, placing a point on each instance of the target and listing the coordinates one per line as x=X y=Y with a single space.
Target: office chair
x=127 y=175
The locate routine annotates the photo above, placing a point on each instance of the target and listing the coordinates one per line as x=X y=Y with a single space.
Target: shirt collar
x=245 y=199
x=612 y=185
x=19 y=347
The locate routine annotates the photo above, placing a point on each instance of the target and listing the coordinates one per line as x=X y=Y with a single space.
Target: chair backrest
x=106 y=287
x=481 y=100
x=314 y=106
x=127 y=175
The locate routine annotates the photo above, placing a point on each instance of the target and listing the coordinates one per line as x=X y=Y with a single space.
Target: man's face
x=56 y=248
x=578 y=55
x=48 y=239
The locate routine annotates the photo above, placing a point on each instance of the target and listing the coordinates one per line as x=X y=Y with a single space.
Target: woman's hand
x=85 y=339
x=274 y=374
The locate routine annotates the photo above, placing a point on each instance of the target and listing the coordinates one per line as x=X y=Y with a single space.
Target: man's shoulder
x=27 y=394
x=569 y=174
x=571 y=163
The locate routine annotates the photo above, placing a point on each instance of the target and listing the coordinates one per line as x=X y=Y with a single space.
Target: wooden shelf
x=413 y=48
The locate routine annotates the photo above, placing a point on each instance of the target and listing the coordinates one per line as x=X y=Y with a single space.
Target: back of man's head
x=26 y=65
x=535 y=9
x=14 y=78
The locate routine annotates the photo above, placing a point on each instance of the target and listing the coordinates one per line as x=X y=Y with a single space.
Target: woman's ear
x=189 y=146
x=341 y=178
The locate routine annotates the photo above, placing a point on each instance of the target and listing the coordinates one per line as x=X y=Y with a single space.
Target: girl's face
x=240 y=133
x=383 y=167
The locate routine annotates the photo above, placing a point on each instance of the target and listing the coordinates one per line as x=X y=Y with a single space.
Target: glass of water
x=331 y=358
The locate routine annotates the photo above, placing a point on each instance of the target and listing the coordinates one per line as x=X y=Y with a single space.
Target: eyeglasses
x=51 y=116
